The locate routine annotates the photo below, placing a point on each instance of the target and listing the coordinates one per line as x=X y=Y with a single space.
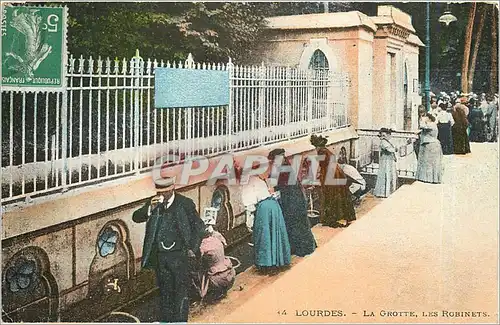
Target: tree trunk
x=468 y=40
x=494 y=51
x=472 y=67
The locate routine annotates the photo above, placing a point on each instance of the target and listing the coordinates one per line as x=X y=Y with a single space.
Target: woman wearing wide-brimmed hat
x=461 y=143
x=430 y=160
x=387 y=173
x=336 y=207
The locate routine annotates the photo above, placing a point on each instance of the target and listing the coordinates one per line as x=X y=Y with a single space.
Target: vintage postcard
x=249 y=162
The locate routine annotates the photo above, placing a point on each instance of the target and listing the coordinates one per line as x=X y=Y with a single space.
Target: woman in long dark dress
x=461 y=143
x=336 y=207
x=444 y=124
x=294 y=206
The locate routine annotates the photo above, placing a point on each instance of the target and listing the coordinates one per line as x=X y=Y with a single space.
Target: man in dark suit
x=173 y=236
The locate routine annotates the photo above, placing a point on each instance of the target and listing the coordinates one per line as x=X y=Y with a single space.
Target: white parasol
x=352 y=174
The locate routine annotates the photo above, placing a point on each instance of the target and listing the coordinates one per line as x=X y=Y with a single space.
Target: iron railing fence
x=105 y=126
x=369 y=154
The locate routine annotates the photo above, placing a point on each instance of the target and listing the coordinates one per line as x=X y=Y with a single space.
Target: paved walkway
x=428 y=249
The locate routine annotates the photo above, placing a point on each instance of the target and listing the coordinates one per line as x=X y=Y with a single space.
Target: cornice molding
x=393 y=31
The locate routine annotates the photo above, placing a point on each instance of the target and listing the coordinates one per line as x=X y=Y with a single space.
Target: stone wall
x=79 y=267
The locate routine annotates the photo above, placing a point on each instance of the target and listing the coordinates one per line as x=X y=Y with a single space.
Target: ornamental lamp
x=447 y=17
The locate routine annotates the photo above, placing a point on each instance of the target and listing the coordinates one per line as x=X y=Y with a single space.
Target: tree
x=472 y=66
x=212 y=31
x=494 y=49
x=164 y=30
x=304 y=8
x=467 y=46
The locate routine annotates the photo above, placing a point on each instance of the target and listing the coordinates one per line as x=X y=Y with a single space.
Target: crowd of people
x=279 y=214
x=453 y=122
x=477 y=114
x=187 y=253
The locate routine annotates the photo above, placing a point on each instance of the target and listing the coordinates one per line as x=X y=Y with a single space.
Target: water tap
x=114 y=285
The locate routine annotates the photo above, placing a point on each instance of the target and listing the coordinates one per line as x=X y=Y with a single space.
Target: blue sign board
x=190 y=88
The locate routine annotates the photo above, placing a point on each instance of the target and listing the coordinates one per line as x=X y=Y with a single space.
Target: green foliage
x=448 y=42
x=302 y=7
x=214 y=31
x=164 y=30
x=211 y=31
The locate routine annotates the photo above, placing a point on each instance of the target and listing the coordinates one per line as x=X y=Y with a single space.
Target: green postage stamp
x=33 y=48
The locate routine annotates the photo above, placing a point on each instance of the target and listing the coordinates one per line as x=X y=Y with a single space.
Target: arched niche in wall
x=319 y=61
x=314 y=50
x=225 y=216
x=29 y=290
x=325 y=69
x=113 y=262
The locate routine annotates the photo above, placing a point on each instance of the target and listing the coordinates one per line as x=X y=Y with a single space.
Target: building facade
x=379 y=55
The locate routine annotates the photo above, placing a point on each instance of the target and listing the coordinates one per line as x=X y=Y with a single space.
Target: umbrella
x=352 y=174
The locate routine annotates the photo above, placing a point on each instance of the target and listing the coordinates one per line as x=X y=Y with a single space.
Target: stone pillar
x=379 y=92
x=365 y=94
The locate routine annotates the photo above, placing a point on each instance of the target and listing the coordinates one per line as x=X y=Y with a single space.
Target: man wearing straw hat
x=173 y=236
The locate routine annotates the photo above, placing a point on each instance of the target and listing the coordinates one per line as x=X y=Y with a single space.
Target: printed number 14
x=283 y=312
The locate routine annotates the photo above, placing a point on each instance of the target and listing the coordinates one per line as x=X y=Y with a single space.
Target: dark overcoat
x=187 y=232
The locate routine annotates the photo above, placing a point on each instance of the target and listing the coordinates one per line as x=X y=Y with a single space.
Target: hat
x=276 y=152
x=163 y=183
x=318 y=141
x=385 y=130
